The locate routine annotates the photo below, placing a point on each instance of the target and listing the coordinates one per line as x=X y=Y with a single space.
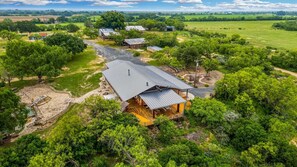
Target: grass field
x=258 y=33
x=81 y=75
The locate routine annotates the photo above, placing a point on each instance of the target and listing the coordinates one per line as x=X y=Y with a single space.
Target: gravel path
x=111 y=54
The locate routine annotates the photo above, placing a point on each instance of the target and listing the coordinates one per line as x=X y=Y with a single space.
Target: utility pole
x=197 y=64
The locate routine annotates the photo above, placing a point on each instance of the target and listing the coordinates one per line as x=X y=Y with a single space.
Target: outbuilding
x=135 y=43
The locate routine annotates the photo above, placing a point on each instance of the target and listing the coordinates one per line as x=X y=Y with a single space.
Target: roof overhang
x=160 y=99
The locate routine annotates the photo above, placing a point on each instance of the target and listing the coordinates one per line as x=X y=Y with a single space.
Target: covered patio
x=148 y=106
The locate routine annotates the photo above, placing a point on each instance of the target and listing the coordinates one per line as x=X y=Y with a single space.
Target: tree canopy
x=71 y=43
x=13 y=114
x=34 y=59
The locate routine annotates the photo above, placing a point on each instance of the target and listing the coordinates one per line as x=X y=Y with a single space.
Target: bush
x=136 y=54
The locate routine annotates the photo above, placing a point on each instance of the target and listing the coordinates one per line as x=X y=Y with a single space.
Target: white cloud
x=121 y=4
x=190 y=1
x=139 y=0
x=169 y=1
x=33 y=2
x=244 y=5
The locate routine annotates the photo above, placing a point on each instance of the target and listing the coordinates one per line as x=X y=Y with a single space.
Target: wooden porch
x=146 y=117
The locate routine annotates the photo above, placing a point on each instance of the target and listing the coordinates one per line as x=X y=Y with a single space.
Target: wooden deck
x=145 y=115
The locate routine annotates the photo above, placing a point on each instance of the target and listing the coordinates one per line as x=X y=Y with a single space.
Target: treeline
x=287 y=60
x=45 y=12
x=258 y=18
x=30 y=26
x=288 y=25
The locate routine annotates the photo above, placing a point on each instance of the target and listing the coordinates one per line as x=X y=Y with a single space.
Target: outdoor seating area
x=145 y=115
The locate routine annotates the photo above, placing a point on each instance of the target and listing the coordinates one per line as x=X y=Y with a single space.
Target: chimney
x=147 y=84
x=128 y=72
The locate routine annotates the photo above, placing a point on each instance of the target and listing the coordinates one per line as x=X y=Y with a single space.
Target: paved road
x=112 y=54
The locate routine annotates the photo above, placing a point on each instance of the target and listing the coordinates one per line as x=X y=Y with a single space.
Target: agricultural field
x=27 y=18
x=258 y=33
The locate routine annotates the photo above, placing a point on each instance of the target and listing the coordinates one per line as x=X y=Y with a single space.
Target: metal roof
x=139 y=28
x=154 y=48
x=141 y=78
x=178 y=83
x=107 y=31
x=160 y=99
x=135 y=41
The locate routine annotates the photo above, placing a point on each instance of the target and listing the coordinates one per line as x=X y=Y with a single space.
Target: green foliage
x=244 y=105
x=71 y=43
x=29 y=59
x=178 y=24
x=210 y=64
x=12 y=113
x=259 y=154
x=111 y=19
x=167 y=129
x=163 y=40
x=71 y=139
x=152 y=24
x=128 y=143
x=248 y=134
x=91 y=32
x=72 y=28
x=47 y=160
x=99 y=106
x=5 y=34
x=286 y=60
x=20 y=153
x=288 y=25
x=209 y=112
x=179 y=153
x=26 y=26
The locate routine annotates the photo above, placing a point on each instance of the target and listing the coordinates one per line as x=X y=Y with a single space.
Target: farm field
x=27 y=18
x=259 y=33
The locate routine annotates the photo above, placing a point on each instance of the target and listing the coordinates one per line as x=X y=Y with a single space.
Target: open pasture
x=258 y=33
x=27 y=18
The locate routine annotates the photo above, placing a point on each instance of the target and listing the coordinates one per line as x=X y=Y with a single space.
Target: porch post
x=153 y=113
x=178 y=106
x=187 y=94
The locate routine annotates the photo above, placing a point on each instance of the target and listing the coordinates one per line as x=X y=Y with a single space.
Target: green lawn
x=259 y=33
x=81 y=75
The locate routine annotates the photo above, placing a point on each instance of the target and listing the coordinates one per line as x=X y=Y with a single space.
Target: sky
x=153 y=5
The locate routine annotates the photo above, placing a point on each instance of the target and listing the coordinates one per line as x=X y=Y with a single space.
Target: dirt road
x=286 y=71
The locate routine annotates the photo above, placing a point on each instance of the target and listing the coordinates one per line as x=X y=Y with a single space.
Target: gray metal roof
x=154 y=48
x=129 y=86
x=160 y=99
x=139 y=28
x=107 y=31
x=135 y=41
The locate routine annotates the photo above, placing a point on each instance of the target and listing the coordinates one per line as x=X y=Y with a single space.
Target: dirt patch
x=203 y=79
x=198 y=137
x=46 y=112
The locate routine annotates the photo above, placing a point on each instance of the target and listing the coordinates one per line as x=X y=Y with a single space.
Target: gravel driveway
x=111 y=54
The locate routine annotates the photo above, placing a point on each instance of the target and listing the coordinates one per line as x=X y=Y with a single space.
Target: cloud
x=33 y=2
x=139 y=0
x=120 y=4
x=190 y=1
x=169 y=1
x=243 y=5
